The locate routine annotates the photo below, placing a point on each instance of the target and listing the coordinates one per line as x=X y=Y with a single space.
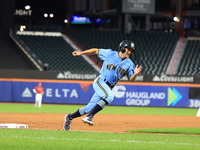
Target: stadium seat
x=154 y=48
x=189 y=64
x=56 y=52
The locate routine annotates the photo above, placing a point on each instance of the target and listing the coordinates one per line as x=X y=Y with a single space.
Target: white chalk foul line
x=112 y=140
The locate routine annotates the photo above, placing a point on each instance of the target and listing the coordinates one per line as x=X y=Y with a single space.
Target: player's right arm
x=92 y=51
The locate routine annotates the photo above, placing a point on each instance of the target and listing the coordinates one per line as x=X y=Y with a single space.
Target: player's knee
x=110 y=98
x=106 y=101
x=102 y=103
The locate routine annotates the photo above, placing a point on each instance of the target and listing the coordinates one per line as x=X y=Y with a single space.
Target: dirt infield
x=103 y=122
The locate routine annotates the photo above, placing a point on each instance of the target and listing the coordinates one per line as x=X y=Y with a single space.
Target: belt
x=110 y=85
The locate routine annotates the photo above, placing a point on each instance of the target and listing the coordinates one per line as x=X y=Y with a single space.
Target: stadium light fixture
x=27 y=7
x=65 y=21
x=22 y=28
x=51 y=15
x=45 y=15
x=176 y=19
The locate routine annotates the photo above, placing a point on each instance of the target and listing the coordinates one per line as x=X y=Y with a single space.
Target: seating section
x=94 y=38
x=56 y=52
x=190 y=61
x=154 y=48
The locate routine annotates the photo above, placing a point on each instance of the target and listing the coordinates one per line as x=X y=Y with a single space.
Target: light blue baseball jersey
x=114 y=68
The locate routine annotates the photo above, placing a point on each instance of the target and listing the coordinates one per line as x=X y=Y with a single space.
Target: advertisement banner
x=136 y=6
x=153 y=96
x=63 y=93
x=80 y=92
x=90 y=76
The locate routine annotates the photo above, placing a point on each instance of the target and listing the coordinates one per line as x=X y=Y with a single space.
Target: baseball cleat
x=88 y=120
x=66 y=125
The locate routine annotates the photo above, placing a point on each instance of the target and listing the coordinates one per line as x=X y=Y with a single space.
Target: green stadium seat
x=189 y=64
x=56 y=52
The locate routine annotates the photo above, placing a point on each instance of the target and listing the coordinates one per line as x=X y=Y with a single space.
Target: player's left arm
x=91 y=51
x=137 y=70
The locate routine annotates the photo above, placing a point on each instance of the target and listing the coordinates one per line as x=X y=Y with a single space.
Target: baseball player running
x=116 y=65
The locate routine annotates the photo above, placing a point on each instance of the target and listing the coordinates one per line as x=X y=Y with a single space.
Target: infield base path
x=103 y=122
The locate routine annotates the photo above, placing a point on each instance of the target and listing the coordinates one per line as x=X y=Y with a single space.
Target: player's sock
x=74 y=115
x=96 y=109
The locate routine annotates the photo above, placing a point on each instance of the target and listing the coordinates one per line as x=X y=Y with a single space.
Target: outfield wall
x=143 y=94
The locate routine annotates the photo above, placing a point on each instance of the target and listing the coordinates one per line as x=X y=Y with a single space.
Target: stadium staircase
x=11 y=56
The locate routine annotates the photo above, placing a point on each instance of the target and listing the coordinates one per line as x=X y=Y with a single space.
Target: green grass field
x=27 y=139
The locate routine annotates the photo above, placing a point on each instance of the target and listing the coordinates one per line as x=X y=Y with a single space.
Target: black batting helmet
x=126 y=44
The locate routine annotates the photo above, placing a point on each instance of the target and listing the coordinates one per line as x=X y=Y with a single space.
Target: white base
x=13 y=125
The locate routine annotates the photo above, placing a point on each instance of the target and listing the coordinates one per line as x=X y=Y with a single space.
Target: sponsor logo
x=145 y=95
x=22 y=12
x=165 y=78
x=137 y=102
x=26 y=93
x=85 y=86
x=78 y=76
x=49 y=92
x=139 y=78
x=136 y=98
x=2 y=126
x=119 y=91
x=173 y=96
x=132 y=45
x=61 y=92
